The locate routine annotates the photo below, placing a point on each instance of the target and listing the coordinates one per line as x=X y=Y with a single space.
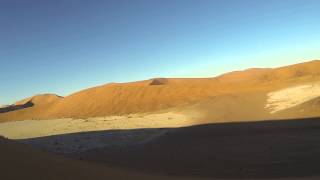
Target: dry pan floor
x=92 y=130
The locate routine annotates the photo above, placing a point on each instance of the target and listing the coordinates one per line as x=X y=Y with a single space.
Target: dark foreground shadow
x=16 y=107
x=269 y=149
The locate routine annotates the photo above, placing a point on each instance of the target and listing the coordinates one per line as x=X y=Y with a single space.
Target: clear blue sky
x=62 y=46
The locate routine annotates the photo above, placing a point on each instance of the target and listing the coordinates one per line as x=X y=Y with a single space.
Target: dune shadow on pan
x=16 y=107
x=267 y=149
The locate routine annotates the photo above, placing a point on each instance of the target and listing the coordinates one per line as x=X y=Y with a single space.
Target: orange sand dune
x=162 y=93
x=40 y=99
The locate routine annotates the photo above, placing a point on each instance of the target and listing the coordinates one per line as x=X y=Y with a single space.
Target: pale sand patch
x=35 y=128
x=290 y=97
x=78 y=135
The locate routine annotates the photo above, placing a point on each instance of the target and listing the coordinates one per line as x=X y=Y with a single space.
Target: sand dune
x=162 y=93
x=148 y=126
x=40 y=99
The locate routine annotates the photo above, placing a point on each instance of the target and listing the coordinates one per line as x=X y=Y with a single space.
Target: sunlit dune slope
x=162 y=93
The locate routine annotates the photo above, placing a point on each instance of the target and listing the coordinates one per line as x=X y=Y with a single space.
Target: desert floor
x=95 y=132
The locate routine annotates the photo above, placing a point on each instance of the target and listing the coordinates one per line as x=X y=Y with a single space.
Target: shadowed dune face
x=16 y=107
x=269 y=149
x=159 y=81
x=33 y=164
x=163 y=93
x=243 y=150
x=19 y=161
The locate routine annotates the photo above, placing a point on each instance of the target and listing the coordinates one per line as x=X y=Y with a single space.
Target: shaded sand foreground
x=252 y=150
x=19 y=161
x=37 y=165
x=265 y=149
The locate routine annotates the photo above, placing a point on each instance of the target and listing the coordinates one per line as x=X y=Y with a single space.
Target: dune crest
x=40 y=99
